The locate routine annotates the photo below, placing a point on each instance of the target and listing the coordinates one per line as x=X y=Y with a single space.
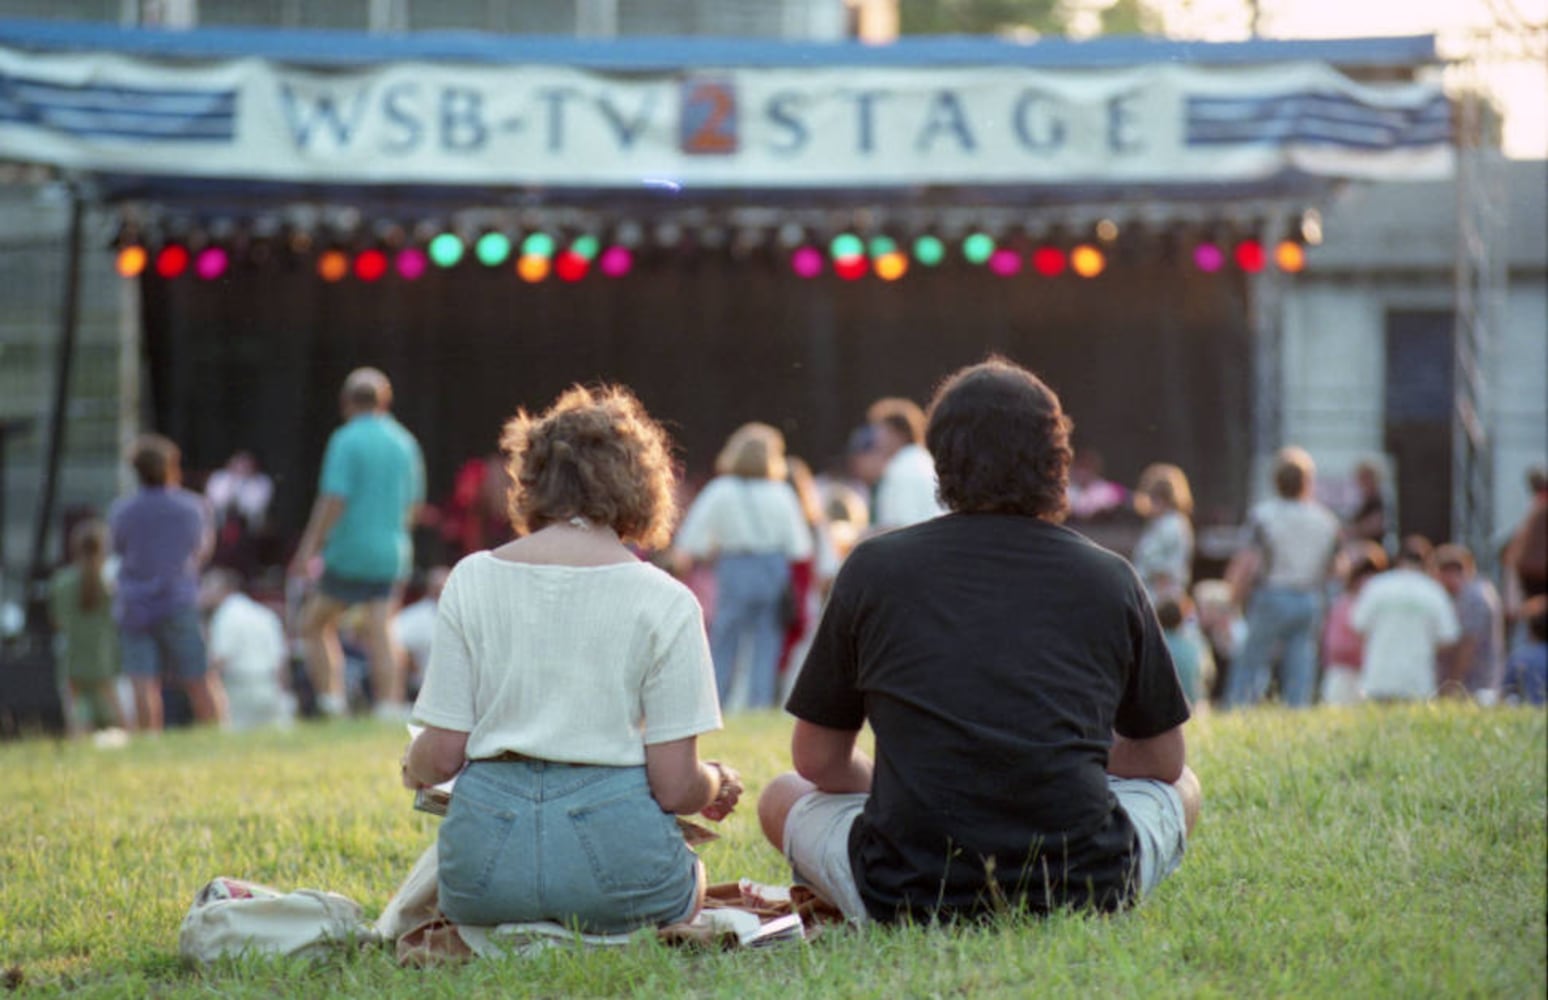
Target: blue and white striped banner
x=1317 y=118
x=118 y=112
x=552 y=126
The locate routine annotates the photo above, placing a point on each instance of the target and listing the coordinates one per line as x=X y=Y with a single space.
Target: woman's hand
x=436 y=755
x=730 y=792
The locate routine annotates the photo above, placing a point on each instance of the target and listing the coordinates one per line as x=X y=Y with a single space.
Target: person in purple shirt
x=162 y=535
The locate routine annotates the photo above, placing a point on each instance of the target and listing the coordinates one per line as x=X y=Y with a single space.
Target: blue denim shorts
x=173 y=646
x=581 y=845
x=350 y=591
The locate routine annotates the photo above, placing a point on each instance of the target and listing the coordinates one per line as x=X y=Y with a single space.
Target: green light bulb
x=846 y=245
x=978 y=248
x=446 y=250
x=537 y=245
x=586 y=247
x=929 y=250
x=492 y=249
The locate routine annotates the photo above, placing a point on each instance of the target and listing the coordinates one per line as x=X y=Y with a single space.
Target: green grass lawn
x=1380 y=852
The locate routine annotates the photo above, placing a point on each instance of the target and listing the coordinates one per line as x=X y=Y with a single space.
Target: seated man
x=1029 y=749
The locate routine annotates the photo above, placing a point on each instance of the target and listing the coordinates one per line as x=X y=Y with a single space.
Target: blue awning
x=317 y=47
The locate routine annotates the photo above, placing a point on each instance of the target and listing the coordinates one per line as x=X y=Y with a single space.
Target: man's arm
x=829 y=758
x=1160 y=757
x=325 y=514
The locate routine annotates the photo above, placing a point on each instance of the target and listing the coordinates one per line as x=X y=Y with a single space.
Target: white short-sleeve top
x=580 y=664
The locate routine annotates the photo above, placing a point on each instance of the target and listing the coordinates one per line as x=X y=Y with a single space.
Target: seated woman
x=567 y=686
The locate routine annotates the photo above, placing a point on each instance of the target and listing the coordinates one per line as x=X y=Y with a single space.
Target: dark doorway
x=1418 y=418
x=1150 y=358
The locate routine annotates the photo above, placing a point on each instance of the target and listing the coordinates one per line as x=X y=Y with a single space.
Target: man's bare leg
x=774 y=804
x=386 y=669
x=147 y=703
x=324 y=654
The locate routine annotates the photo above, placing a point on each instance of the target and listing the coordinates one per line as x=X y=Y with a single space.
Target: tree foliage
x=978 y=17
x=1044 y=17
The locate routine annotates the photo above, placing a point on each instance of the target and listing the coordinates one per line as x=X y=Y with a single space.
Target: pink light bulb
x=806 y=262
x=211 y=263
x=412 y=263
x=616 y=261
x=1005 y=262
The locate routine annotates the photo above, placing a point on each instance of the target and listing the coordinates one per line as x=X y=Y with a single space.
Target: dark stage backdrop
x=1152 y=358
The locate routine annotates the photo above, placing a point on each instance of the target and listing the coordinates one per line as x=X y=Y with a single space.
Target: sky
x=1512 y=70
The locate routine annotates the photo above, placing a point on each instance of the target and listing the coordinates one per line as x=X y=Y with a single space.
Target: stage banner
x=441 y=124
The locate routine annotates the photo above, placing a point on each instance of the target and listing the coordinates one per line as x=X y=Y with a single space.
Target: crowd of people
x=940 y=587
x=1313 y=607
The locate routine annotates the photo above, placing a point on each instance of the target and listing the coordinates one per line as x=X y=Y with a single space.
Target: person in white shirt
x=1294 y=542
x=247 y=648
x=1406 y=618
x=240 y=489
x=568 y=685
x=748 y=522
x=413 y=630
x=906 y=493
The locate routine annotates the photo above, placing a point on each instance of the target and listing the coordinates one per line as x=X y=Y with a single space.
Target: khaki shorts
x=817 y=839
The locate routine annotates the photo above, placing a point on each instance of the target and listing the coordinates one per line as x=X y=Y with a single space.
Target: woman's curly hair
x=594 y=454
x=1001 y=442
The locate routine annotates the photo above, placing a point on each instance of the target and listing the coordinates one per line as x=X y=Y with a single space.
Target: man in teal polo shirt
x=373 y=481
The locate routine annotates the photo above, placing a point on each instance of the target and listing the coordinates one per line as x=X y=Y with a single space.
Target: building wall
x=33 y=220
x=1334 y=374
x=1518 y=395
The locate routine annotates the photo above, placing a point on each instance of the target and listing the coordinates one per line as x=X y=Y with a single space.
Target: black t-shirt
x=993 y=655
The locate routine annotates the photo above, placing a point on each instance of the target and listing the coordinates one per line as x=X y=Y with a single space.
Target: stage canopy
x=208 y=113
x=461 y=210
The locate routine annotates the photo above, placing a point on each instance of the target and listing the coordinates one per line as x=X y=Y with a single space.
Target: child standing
x=1190 y=650
x=80 y=607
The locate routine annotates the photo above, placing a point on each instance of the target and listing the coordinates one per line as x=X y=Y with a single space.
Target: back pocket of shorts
x=473 y=839
x=631 y=844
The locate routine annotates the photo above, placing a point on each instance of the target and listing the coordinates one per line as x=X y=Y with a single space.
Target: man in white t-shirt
x=1406 y=618
x=248 y=648
x=906 y=493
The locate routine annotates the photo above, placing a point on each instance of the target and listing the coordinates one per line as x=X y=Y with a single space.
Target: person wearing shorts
x=372 y=483
x=162 y=535
x=1027 y=714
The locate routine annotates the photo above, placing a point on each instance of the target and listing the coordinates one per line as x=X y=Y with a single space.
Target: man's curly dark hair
x=1001 y=442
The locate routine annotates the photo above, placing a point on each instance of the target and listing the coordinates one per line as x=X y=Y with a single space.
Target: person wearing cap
x=372 y=483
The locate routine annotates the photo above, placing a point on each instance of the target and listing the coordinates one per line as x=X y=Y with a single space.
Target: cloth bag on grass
x=231 y=917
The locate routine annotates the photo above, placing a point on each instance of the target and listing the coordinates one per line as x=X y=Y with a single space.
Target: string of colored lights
x=851 y=257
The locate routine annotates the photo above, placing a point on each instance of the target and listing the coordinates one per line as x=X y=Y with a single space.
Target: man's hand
x=303 y=566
